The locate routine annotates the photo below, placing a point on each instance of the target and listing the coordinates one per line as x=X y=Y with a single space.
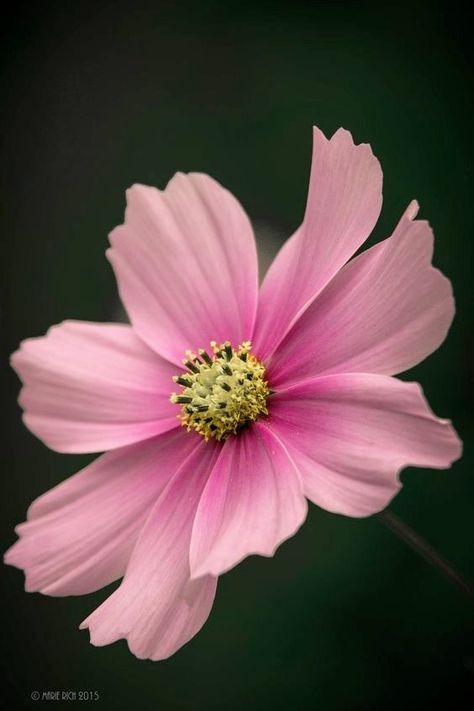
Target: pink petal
x=351 y=434
x=79 y=536
x=384 y=312
x=186 y=265
x=251 y=503
x=344 y=202
x=157 y=608
x=90 y=387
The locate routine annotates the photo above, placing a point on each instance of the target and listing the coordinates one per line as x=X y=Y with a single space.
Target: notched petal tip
x=9 y=555
x=15 y=360
x=14 y=558
x=140 y=188
x=412 y=210
x=343 y=135
x=454 y=444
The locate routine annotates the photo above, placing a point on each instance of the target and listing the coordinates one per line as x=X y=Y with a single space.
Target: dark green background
x=97 y=96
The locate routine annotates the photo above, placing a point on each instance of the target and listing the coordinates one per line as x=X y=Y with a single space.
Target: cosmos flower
x=222 y=408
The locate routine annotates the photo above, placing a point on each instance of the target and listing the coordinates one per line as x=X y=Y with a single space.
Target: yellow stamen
x=221 y=393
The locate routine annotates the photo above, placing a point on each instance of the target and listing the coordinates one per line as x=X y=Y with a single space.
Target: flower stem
x=425 y=550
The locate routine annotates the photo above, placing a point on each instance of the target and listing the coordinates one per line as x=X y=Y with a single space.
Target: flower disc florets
x=223 y=393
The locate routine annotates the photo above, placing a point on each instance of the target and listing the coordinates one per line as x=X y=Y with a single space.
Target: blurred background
x=99 y=95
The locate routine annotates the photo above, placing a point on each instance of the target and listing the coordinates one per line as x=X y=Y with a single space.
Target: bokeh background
x=99 y=95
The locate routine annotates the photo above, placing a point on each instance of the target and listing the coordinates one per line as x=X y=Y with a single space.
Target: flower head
x=211 y=453
x=222 y=394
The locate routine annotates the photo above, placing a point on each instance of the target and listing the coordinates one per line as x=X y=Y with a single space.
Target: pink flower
x=309 y=410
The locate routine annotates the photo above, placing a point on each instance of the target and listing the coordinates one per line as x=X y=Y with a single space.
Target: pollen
x=221 y=393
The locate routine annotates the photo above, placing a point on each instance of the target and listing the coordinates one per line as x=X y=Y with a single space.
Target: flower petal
x=79 y=536
x=89 y=387
x=186 y=265
x=157 y=608
x=344 y=202
x=383 y=313
x=351 y=434
x=252 y=502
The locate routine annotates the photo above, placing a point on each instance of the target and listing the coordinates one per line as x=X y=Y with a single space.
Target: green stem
x=425 y=550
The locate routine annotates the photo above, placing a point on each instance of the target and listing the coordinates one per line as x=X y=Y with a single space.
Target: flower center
x=223 y=393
